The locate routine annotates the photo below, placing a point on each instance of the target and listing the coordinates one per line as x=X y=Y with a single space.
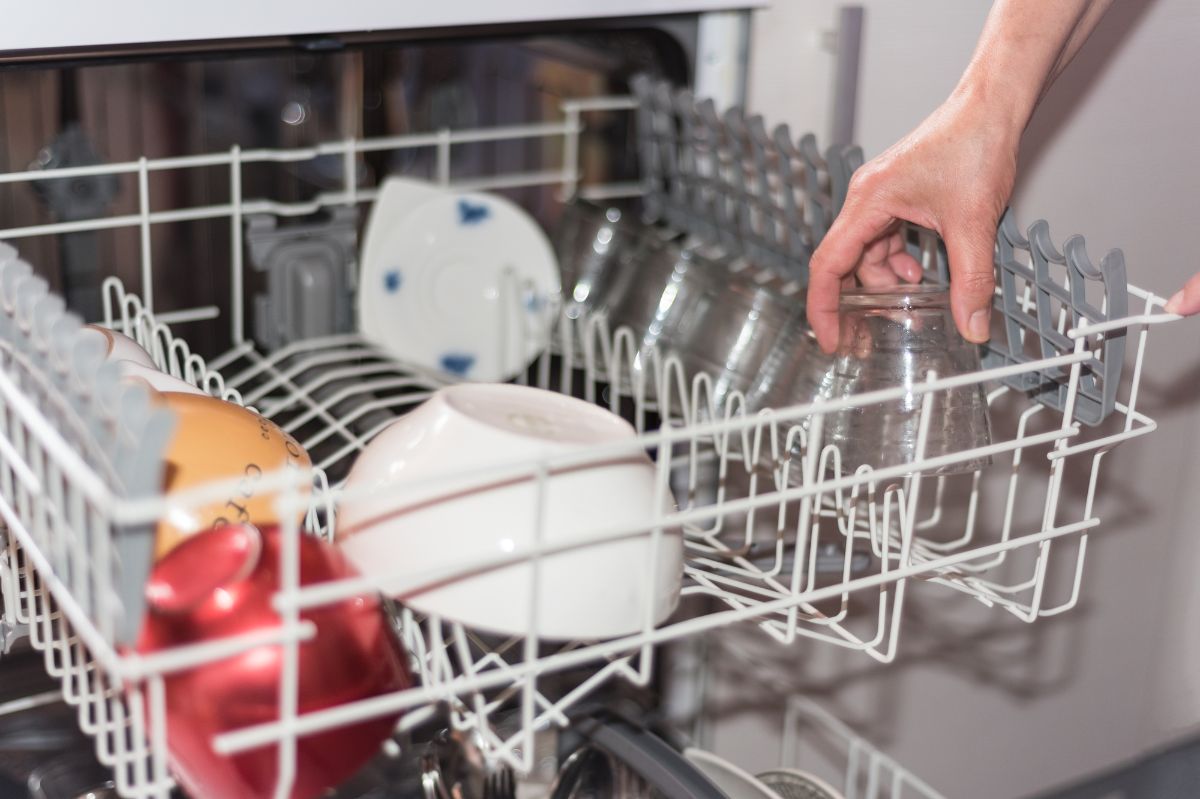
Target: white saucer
x=734 y=782
x=397 y=196
x=464 y=284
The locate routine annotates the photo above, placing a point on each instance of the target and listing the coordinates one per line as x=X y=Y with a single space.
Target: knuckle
x=865 y=181
x=976 y=283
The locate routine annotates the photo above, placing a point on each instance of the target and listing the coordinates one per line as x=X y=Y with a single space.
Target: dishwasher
x=204 y=184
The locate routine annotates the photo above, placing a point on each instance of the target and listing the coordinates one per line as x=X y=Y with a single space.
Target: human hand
x=954 y=175
x=1186 y=301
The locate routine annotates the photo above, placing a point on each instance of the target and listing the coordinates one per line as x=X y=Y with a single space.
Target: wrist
x=1001 y=107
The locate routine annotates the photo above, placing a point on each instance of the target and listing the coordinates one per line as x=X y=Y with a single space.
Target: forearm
x=1024 y=46
x=1083 y=29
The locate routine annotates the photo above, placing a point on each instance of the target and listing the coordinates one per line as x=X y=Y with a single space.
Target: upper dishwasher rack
x=758 y=516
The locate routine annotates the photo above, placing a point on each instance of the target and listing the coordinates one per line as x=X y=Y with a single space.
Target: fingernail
x=1172 y=305
x=979 y=325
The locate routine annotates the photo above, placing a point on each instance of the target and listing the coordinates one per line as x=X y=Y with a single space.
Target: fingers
x=875 y=270
x=824 y=288
x=1186 y=301
x=972 y=279
x=878 y=276
x=840 y=254
x=906 y=267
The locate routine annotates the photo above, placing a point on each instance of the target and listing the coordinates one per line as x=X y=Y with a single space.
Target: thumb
x=1186 y=301
x=971 y=249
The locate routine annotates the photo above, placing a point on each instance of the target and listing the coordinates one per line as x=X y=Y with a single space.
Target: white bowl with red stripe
x=422 y=510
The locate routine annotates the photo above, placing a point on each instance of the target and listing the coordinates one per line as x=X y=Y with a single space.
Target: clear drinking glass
x=796 y=372
x=893 y=337
x=729 y=332
x=594 y=245
x=715 y=321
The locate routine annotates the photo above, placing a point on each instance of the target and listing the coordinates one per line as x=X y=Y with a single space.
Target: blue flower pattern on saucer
x=472 y=213
x=392 y=280
x=534 y=303
x=457 y=363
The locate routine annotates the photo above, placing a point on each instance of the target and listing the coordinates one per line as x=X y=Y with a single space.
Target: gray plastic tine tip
x=62 y=340
x=685 y=101
x=640 y=84
x=29 y=290
x=105 y=401
x=737 y=135
x=764 y=155
x=735 y=120
x=1096 y=401
x=1039 y=236
x=795 y=216
x=662 y=96
x=138 y=463
x=1075 y=251
x=783 y=140
x=48 y=310
x=106 y=389
x=1010 y=231
x=723 y=215
x=812 y=153
x=1098 y=383
x=149 y=427
x=13 y=271
x=88 y=355
x=758 y=130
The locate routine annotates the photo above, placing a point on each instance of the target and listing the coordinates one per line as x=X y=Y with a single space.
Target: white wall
x=981 y=706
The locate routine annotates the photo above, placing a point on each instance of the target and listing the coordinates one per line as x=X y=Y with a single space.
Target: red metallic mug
x=220 y=583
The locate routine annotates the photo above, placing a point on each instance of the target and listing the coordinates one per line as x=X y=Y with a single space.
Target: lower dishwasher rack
x=758 y=506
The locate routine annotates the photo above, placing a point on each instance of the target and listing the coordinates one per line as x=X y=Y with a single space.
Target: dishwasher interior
x=213 y=208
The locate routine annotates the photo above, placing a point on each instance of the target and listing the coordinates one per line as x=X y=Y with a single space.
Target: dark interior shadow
x=1080 y=78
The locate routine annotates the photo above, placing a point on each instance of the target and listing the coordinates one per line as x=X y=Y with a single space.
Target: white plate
x=790 y=782
x=736 y=784
x=465 y=285
x=397 y=196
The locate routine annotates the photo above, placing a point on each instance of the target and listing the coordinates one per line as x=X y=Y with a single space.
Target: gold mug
x=218 y=440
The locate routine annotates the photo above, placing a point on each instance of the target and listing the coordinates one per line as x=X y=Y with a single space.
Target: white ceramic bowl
x=159 y=381
x=135 y=363
x=390 y=522
x=119 y=347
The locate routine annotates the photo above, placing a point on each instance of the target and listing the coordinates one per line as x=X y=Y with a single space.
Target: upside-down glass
x=593 y=243
x=660 y=281
x=895 y=337
x=695 y=309
x=729 y=332
x=795 y=372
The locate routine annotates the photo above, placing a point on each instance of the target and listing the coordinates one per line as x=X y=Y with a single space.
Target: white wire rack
x=761 y=503
x=867 y=774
